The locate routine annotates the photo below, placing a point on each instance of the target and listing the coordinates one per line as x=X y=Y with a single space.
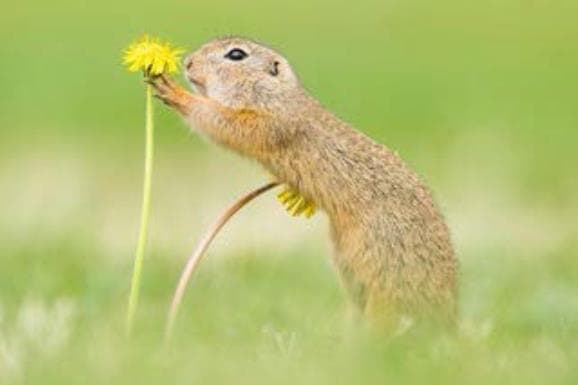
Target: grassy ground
x=479 y=97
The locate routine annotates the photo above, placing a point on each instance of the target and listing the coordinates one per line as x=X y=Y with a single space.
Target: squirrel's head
x=238 y=72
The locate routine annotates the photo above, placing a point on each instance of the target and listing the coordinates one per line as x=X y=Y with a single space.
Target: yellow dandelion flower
x=150 y=55
x=295 y=204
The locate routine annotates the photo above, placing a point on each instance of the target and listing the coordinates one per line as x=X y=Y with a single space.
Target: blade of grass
x=200 y=249
x=145 y=213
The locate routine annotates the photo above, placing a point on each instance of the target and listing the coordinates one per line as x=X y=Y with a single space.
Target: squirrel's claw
x=165 y=100
x=156 y=79
x=168 y=91
x=160 y=83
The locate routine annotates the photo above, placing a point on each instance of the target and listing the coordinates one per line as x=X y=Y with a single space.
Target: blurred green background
x=480 y=97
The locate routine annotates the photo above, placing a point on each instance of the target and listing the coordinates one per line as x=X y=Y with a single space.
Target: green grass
x=250 y=319
x=479 y=97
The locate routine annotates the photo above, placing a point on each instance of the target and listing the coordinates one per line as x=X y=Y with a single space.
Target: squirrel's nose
x=188 y=63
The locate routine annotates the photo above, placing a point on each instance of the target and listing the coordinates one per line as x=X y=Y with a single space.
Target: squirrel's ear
x=274 y=68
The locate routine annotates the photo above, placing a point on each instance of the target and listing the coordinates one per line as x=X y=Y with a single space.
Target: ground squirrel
x=392 y=246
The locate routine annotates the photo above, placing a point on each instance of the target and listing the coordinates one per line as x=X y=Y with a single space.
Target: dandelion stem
x=145 y=211
x=202 y=246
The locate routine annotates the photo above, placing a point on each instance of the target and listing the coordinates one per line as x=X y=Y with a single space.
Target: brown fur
x=392 y=246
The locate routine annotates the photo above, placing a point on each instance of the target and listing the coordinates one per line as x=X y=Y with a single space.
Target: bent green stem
x=145 y=213
x=200 y=249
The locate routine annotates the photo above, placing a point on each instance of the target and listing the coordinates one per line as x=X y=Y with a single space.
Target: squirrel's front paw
x=169 y=92
x=163 y=88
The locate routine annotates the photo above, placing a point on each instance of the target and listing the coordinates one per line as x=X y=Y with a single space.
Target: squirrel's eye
x=236 y=54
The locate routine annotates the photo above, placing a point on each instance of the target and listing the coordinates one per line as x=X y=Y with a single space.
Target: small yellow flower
x=152 y=56
x=295 y=204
